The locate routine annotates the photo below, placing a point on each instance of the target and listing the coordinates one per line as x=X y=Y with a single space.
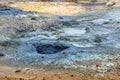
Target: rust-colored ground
x=16 y=73
x=55 y=8
x=50 y=8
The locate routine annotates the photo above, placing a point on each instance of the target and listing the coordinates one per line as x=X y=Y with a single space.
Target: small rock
x=71 y=75
x=43 y=78
x=87 y=29
x=113 y=3
x=33 y=18
x=98 y=39
x=97 y=65
x=17 y=71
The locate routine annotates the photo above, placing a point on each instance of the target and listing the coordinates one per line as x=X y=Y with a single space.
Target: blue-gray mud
x=75 y=42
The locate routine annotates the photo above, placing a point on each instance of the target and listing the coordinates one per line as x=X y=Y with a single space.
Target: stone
x=98 y=39
x=33 y=18
x=112 y=3
x=17 y=71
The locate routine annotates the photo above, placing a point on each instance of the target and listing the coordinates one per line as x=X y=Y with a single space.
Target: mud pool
x=68 y=44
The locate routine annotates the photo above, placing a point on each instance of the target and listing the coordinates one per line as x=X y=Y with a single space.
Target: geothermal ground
x=39 y=46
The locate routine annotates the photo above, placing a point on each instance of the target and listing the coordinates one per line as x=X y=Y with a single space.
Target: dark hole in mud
x=1 y=54
x=50 y=48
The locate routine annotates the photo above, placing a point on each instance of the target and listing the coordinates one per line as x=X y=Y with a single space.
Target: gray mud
x=37 y=39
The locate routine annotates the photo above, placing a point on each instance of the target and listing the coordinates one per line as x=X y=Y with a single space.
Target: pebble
x=18 y=71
